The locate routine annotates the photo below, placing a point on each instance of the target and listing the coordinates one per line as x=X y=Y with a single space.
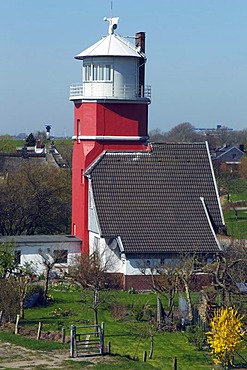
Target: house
x=151 y=207
x=134 y=202
x=29 y=247
x=228 y=157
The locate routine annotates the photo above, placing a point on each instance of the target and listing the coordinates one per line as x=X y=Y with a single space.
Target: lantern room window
x=97 y=72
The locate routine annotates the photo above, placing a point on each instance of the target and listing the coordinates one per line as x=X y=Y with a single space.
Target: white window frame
x=100 y=72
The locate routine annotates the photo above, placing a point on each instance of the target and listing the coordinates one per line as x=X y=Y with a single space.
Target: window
x=95 y=73
x=18 y=257
x=101 y=72
x=108 y=72
x=96 y=243
x=78 y=128
x=90 y=199
x=61 y=255
x=87 y=72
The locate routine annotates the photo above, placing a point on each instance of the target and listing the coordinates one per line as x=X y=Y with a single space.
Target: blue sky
x=196 y=49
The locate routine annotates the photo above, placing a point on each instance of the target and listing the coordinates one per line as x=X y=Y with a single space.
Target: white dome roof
x=111 y=45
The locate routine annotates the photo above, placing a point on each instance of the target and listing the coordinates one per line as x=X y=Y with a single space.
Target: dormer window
x=97 y=72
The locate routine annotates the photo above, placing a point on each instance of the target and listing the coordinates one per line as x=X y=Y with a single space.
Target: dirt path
x=15 y=357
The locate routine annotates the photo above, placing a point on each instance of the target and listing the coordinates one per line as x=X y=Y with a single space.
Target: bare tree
x=173 y=276
x=228 y=269
x=49 y=259
x=91 y=272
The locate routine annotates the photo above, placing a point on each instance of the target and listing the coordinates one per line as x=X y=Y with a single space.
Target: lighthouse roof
x=111 y=45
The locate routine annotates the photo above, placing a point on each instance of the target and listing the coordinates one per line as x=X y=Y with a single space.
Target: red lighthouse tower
x=110 y=111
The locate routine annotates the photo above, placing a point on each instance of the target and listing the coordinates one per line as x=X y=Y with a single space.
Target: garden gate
x=87 y=340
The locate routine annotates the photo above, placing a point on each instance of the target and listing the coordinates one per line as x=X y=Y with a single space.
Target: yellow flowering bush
x=226 y=335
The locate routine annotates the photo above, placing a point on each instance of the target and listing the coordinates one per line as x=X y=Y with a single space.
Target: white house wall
x=135 y=266
x=110 y=259
x=30 y=254
x=117 y=262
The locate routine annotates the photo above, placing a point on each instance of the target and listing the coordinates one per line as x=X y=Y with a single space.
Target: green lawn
x=126 y=334
x=236 y=224
x=9 y=145
x=236 y=219
x=126 y=330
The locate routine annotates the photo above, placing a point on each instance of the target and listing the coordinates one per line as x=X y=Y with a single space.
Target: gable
x=229 y=155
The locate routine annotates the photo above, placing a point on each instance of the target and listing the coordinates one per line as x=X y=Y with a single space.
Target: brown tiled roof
x=152 y=199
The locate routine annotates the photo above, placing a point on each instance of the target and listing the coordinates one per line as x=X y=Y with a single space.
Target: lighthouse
x=110 y=111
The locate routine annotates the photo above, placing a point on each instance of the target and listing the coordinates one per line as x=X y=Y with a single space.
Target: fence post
x=102 y=336
x=175 y=363
x=63 y=335
x=72 y=341
x=16 y=323
x=39 y=330
x=109 y=348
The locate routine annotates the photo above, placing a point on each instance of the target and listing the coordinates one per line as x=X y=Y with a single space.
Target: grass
x=236 y=226
x=127 y=335
x=43 y=345
x=241 y=190
x=8 y=144
x=236 y=221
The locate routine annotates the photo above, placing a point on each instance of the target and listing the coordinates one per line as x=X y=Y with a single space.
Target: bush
x=119 y=311
x=197 y=337
x=9 y=299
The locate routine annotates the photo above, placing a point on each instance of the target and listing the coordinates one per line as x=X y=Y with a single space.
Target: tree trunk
x=151 y=347
x=226 y=297
x=46 y=274
x=187 y=292
x=95 y=310
x=23 y=282
x=171 y=301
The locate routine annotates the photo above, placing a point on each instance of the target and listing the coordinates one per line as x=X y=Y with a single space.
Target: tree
x=90 y=272
x=14 y=281
x=184 y=132
x=40 y=135
x=168 y=278
x=157 y=135
x=35 y=200
x=228 y=269
x=65 y=148
x=23 y=277
x=30 y=140
x=226 y=335
x=8 y=259
x=49 y=259
x=227 y=181
x=242 y=168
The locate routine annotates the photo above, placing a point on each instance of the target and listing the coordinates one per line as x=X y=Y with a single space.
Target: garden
x=129 y=328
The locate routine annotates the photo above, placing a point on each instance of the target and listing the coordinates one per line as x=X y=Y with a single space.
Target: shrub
x=226 y=335
x=9 y=299
x=119 y=311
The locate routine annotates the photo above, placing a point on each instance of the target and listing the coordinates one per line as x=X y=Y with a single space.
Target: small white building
x=30 y=247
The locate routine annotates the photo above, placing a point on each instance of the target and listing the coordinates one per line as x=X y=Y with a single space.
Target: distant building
x=229 y=156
